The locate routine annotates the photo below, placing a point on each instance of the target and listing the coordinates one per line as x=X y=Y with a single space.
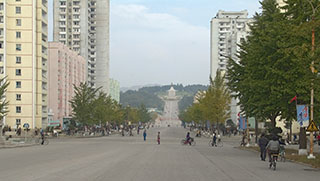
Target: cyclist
x=42 y=136
x=214 y=139
x=188 y=138
x=273 y=146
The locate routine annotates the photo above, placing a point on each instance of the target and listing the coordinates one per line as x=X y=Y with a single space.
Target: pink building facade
x=65 y=69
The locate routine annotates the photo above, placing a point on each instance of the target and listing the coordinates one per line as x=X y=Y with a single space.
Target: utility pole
x=311 y=156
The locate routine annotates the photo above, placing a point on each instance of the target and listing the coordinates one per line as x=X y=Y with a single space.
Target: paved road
x=124 y=158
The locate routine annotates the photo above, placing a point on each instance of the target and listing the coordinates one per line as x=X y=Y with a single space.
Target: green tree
x=216 y=101
x=83 y=104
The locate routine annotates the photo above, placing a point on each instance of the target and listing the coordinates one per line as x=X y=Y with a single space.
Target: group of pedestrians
x=270 y=147
x=145 y=136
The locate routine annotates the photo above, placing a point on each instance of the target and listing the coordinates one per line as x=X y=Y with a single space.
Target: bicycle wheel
x=193 y=143
x=37 y=141
x=183 y=142
x=46 y=142
x=210 y=143
x=220 y=144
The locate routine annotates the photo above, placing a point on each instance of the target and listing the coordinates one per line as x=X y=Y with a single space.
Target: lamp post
x=311 y=156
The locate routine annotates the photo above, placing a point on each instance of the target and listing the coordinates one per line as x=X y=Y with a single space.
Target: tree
x=216 y=100
x=103 y=108
x=265 y=77
x=3 y=101
x=83 y=104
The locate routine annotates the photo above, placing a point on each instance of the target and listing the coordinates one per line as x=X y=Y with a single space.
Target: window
x=18 y=121
x=18 y=22
x=1 y=6
x=18 y=84
x=1 y=70
x=18 y=0
x=18 y=97
x=1 y=19
x=18 y=72
x=1 y=31
x=18 y=47
x=18 y=60
x=1 y=57
x=18 y=34
x=18 y=109
x=18 y=10
x=1 y=44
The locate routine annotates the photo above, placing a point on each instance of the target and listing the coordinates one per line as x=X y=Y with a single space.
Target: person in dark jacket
x=263 y=141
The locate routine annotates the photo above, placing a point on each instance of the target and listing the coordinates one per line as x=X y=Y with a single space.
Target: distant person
x=144 y=135
x=158 y=139
x=263 y=141
x=188 y=138
x=214 y=139
x=42 y=136
x=318 y=138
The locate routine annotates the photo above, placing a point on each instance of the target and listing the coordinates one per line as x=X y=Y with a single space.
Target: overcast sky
x=163 y=41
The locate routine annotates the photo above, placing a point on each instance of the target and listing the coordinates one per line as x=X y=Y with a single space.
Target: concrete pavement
x=130 y=158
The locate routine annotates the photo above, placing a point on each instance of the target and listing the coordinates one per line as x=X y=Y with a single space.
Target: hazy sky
x=163 y=41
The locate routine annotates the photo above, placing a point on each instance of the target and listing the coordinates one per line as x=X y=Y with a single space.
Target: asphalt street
x=130 y=158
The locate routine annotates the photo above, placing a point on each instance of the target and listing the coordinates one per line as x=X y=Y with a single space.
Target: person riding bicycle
x=273 y=146
x=214 y=139
x=188 y=138
x=42 y=136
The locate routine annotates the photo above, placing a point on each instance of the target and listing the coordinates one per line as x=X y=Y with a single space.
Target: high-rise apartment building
x=228 y=30
x=66 y=69
x=115 y=90
x=83 y=25
x=23 y=59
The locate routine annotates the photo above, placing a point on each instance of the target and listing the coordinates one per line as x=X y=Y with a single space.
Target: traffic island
x=292 y=155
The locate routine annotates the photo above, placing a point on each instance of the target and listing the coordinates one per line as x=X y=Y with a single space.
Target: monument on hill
x=170 y=116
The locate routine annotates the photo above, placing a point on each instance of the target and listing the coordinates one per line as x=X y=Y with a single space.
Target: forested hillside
x=150 y=96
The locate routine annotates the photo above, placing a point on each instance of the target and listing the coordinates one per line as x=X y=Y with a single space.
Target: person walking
x=318 y=138
x=263 y=141
x=158 y=139
x=144 y=135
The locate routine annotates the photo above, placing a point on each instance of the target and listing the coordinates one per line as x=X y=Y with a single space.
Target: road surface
x=130 y=158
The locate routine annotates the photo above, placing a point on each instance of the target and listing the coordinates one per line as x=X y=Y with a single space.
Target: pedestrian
x=158 y=139
x=263 y=141
x=318 y=138
x=144 y=135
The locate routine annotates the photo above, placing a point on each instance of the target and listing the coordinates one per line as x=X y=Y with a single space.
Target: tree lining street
x=129 y=158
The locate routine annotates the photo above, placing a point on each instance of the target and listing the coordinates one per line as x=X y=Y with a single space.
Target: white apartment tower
x=228 y=29
x=83 y=25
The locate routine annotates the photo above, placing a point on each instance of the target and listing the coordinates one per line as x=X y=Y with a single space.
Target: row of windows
x=18 y=59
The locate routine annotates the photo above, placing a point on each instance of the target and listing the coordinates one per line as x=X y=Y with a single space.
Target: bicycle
x=39 y=141
x=185 y=142
x=282 y=153
x=219 y=143
x=273 y=163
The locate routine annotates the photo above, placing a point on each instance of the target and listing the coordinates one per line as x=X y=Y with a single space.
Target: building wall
x=32 y=39
x=84 y=27
x=66 y=68
x=228 y=29
x=115 y=90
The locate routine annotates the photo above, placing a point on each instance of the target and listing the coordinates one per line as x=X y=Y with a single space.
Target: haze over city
x=163 y=41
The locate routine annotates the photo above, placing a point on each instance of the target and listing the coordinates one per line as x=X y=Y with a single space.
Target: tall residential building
x=228 y=30
x=115 y=90
x=23 y=59
x=66 y=68
x=83 y=25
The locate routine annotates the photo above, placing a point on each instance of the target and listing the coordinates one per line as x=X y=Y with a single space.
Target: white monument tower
x=171 y=110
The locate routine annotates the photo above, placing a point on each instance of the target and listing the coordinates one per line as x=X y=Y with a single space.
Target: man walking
x=263 y=141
